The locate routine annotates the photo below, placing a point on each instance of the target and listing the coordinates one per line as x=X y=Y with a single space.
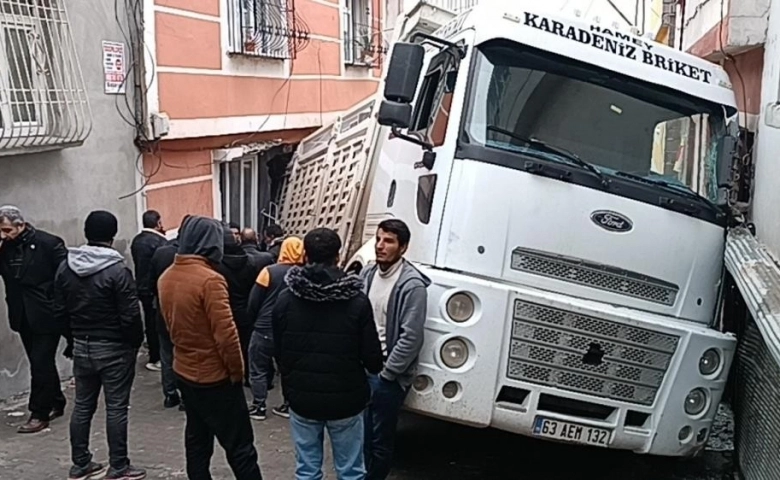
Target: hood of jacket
x=203 y=237
x=291 y=252
x=234 y=258
x=90 y=259
x=323 y=284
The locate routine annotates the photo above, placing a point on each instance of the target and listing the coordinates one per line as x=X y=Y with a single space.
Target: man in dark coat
x=273 y=236
x=326 y=341
x=162 y=259
x=251 y=246
x=142 y=249
x=96 y=297
x=240 y=271
x=29 y=259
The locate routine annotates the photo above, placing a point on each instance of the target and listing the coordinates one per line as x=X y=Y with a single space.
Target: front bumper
x=527 y=358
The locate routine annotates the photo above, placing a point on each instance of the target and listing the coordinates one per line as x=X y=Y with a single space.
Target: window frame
x=351 y=21
x=226 y=191
x=428 y=102
x=252 y=11
x=30 y=25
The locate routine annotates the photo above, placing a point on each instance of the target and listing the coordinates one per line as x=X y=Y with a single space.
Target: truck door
x=419 y=199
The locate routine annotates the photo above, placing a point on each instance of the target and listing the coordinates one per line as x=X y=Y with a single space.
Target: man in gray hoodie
x=397 y=291
x=95 y=296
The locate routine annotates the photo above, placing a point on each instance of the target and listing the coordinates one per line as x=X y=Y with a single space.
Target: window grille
x=43 y=101
x=261 y=28
x=363 y=43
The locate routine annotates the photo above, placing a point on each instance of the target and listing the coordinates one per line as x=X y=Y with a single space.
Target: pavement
x=426 y=449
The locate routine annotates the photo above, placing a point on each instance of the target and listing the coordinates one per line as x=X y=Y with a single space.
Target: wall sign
x=114 y=68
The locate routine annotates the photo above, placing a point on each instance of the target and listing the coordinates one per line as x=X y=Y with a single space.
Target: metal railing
x=260 y=28
x=43 y=99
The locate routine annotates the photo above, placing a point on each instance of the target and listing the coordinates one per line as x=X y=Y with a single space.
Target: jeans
x=218 y=411
x=111 y=366
x=346 y=438
x=167 y=377
x=45 y=389
x=387 y=398
x=150 y=325
x=261 y=366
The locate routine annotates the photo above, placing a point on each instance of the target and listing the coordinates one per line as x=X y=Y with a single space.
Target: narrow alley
x=427 y=450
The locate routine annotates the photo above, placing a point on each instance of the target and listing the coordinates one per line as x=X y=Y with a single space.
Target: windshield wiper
x=545 y=147
x=680 y=190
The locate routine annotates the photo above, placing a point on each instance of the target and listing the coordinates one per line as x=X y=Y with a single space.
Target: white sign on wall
x=114 y=67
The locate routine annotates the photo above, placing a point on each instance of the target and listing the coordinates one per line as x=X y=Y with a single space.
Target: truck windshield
x=522 y=98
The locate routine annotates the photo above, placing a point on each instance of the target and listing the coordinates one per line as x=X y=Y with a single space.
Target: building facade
x=234 y=85
x=66 y=134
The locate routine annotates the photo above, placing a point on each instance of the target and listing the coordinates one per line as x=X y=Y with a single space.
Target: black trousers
x=45 y=389
x=150 y=325
x=220 y=412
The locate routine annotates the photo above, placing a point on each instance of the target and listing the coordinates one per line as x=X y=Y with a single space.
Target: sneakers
x=128 y=473
x=154 y=367
x=257 y=413
x=91 y=471
x=282 y=411
x=172 y=401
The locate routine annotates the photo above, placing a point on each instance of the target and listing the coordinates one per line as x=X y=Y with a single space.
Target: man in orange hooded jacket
x=207 y=360
x=268 y=286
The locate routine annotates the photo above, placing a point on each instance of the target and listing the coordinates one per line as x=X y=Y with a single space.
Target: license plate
x=571 y=432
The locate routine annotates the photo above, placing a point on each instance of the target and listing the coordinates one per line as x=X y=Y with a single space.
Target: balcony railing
x=43 y=100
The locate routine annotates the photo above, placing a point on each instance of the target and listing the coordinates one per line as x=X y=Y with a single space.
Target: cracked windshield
x=519 y=99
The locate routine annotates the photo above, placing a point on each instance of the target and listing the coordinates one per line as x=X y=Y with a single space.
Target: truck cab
x=563 y=185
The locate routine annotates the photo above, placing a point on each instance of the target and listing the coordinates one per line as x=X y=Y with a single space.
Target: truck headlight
x=454 y=353
x=709 y=363
x=460 y=307
x=696 y=402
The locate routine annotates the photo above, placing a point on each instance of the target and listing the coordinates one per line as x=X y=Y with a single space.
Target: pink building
x=233 y=85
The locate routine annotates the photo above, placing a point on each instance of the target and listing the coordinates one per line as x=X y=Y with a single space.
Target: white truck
x=563 y=184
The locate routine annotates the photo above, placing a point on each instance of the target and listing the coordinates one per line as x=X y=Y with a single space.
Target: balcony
x=43 y=101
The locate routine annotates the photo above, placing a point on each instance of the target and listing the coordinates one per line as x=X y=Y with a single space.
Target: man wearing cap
x=96 y=297
x=29 y=258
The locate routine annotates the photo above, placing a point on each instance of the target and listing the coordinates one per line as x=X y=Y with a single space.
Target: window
x=433 y=105
x=42 y=97
x=239 y=192
x=260 y=28
x=360 y=37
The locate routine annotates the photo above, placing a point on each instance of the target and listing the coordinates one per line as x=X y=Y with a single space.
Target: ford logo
x=612 y=221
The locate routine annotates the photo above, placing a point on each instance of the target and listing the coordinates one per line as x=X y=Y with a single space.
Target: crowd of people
x=219 y=310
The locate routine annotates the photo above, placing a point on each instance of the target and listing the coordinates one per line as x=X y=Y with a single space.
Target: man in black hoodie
x=325 y=341
x=240 y=271
x=95 y=295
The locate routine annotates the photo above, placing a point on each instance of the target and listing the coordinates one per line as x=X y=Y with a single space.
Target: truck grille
x=588 y=355
x=594 y=275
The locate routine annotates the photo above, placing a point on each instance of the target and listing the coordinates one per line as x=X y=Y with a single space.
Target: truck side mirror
x=403 y=74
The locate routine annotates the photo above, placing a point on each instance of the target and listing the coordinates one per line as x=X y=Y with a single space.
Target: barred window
x=260 y=28
x=359 y=33
x=43 y=103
